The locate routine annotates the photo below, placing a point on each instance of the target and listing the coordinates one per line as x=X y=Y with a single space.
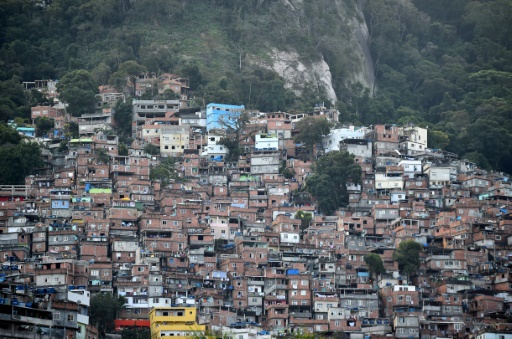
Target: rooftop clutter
x=223 y=220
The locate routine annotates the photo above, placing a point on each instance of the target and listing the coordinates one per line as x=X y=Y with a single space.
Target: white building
x=268 y=142
x=287 y=237
x=411 y=167
x=383 y=181
x=215 y=152
x=413 y=140
x=332 y=141
x=439 y=176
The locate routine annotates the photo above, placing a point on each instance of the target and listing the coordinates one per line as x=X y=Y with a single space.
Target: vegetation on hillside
x=445 y=65
x=19 y=157
x=328 y=185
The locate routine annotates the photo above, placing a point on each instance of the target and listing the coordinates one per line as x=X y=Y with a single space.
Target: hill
x=445 y=65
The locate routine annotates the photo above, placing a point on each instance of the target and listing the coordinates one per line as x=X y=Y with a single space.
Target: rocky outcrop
x=297 y=72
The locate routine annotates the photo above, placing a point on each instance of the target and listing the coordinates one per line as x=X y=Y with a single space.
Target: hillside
x=445 y=65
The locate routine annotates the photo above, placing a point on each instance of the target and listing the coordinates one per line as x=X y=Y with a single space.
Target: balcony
x=79 y=297
x=201 y=242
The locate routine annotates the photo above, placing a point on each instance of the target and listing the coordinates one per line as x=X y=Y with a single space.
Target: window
x=303 y=292
x=71 y=317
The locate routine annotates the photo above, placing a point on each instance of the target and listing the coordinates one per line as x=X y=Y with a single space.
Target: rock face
x=366 y=74
x=297 y=72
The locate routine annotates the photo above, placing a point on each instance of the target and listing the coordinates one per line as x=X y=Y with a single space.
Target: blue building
x=28 y=131
x=221 y=112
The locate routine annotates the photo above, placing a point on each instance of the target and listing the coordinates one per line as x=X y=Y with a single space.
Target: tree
x=18 y=161
x=166 y=172
x=305 y=219
x=375 y=264
x=8 y=135
x=71 y=130
x=152 y=149
x=437 y=139
x=479 y=159
x=101 y=74
x=312 y=130
x=128 y=69
x=103 y=311
x=122 y=149
x=193 y=73
x=288 y=173
x=136 y=333
x=102 y=155
x=329 y=183
x=78 y=89
x=235 y=125
x=408 y=256
x=43 y=125
x=123 y=114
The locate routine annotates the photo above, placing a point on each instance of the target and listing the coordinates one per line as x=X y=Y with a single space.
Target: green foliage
x=233 y=147
x=434 y=61
x=152 y=149
x=72 y=130
x=375 y=264
x=8 y=135
x=479 y=159
x=312 y=130
x=165 y=172
x=235 y=126
x=305 y=219
x=103 y=311
x=329 y=183
x=43 y=125
x=78 y=89
x=447 y=62
x=123 y=116
x=18 y=161
x=408 y=256
x=102 y=156
x=437 y=139
x=63 y=146
x=122 y=149
x=288 y=173
x=13 y=99
x=136 y=333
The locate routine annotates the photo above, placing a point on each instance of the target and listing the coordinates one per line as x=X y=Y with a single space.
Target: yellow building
x=175 y=322
x=174 y=140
